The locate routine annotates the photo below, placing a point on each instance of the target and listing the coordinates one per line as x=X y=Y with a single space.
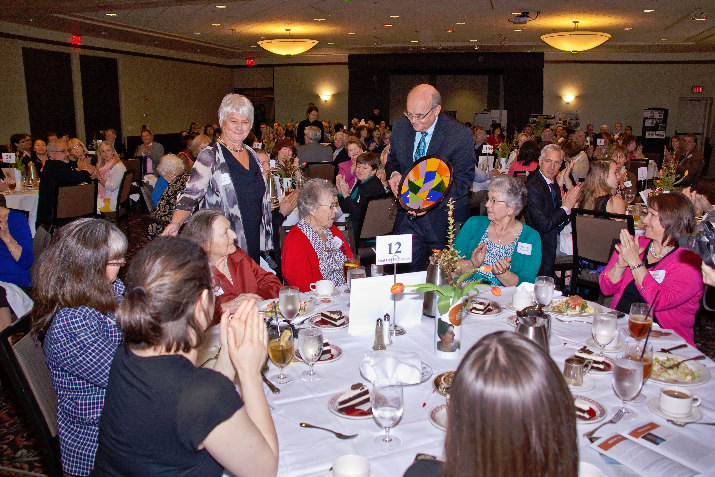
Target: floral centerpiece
x=668 y=177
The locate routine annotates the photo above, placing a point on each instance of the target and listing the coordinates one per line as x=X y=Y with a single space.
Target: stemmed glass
x=629 y=194
x=604 y=329
x=387 y=406
x=289 y=301
x=627 y=382
x=543 y=290
x=310 y=345
x=638 y=323
x=280 y=349
x=634 y=352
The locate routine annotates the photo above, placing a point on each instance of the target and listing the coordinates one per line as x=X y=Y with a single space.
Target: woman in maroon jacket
x=236 y=276
x=315 y=249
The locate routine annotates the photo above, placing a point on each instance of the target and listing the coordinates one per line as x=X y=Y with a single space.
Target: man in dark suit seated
x=425 y=131
x=548 y=212
x=691 y=162
x=312 y=150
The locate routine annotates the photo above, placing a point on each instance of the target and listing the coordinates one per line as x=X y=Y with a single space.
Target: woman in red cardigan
x=236 y=276
x=315 y=249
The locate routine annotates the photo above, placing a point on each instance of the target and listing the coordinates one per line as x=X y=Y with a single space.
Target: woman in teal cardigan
x=506 y=251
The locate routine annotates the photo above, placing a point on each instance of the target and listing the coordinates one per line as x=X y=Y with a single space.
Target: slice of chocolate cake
x=583 y=410
x=334 y=318
x=598 y=362
x=479 y=307
x=358 y=396
x=326 y=350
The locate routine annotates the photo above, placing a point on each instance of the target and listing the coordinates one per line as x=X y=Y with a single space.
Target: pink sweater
x=680 y=291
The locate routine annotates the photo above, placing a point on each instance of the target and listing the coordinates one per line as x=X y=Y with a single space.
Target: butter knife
x=274 y=389
x=668 y=350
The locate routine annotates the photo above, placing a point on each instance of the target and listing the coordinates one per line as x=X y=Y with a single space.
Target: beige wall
x=609 y=92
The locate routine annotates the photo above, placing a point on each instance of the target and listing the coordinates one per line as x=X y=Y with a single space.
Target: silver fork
x=617 y=417
x=683 y=424
x=339 y=435
x=671 y=366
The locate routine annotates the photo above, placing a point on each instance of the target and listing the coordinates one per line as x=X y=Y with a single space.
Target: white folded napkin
x=395 y=366
x=526 y=287
x=18 y=300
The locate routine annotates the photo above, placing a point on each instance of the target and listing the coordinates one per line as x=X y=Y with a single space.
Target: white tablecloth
x=25 y=200
x=310 y=453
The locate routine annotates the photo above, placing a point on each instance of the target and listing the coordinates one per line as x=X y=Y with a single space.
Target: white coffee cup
x=521 y=300
x=677 y=401
x=323 y=287
x=351 y=466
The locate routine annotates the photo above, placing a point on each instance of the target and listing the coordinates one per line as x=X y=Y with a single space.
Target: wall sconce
x=325 y=96
x=568 y=98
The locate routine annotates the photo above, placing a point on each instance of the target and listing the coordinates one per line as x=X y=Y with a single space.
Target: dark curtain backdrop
x=522 y=75
x=100 y=95
x=50 y=98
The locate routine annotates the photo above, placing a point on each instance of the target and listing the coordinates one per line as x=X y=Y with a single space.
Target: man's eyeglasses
x=418 y=117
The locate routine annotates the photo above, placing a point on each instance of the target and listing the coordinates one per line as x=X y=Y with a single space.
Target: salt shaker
x=379 y=336
x=387 y=329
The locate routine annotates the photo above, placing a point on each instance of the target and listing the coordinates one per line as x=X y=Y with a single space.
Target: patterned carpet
x=19 y=455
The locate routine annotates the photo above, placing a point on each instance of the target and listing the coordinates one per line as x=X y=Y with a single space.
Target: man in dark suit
x=691 y=162
x=548 y=212
x=424 y=131
x=150 y=151
x=312 y=150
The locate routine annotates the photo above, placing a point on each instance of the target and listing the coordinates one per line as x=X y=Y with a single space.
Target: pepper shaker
x=379 y=336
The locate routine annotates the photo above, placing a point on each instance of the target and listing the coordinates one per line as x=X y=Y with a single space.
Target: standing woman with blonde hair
x=110 y=172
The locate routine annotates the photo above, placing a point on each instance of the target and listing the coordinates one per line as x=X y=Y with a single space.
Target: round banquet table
x=25 y=200
x=310 y=453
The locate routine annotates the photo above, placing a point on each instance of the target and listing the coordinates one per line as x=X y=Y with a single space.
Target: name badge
x=523 y=248
x=628 y=183
x=218 y=291
x=225 y=179
x=658 y=275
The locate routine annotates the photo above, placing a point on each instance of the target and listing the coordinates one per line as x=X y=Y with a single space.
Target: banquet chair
x=122 y=211
x=378 y=218
x=321 y=170
x=75 y=201
x=146 y=195
x=593 y=235
x=25 y=369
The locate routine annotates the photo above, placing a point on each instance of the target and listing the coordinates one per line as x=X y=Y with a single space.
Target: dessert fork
x=683 y=424
x=616 y=417
x=339 y=435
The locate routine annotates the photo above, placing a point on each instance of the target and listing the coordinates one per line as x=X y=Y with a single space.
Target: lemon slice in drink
x=285 y=336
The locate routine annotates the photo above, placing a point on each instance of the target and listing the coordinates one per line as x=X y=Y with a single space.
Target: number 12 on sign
x=393 y=249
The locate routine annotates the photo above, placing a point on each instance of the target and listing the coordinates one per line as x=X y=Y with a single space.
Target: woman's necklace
x=231 y=148
x=504 y=233
x=665 y=251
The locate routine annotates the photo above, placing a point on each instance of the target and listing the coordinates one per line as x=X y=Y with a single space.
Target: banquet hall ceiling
x=363 y=26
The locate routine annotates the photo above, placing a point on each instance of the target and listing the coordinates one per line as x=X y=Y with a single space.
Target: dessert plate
x=611 y=348
x=438 y=417
x=317 y=320
x=494 y=309
x=596 y=412
x=336 y=352
x=355 y=413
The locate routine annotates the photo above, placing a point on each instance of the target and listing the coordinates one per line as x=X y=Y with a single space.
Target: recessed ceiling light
x=253 y=46
x=649 y=10
x=351 y=33
x=319 y=19
x=449 y=31
x=517 y=29
x=663 y=39
x=215 y=24
x=414 y=41
x=461 y=23
x=331 y=43
x=220 y=6
x=111 y=14
x=516 y=13
x=197 y=33
x=628 y=28
x=394 y=16
x=388 y=24
x=473 y=40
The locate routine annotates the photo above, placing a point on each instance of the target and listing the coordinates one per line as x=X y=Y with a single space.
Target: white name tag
x=273 y=163
x=523 y=248
x=257 y=145
x=8 y=157
x=218 y=291
x=628 y=183
x=658 y=275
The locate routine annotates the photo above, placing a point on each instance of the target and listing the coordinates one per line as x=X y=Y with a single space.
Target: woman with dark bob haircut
x=162 y=414
x=510 y=413
x=644 y=266
x=76 y=291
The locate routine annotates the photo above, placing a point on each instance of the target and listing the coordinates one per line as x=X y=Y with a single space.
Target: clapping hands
x=629 y=251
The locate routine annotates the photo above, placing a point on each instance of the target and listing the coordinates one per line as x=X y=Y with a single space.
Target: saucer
x=611 y=348
x=331 y=295
x=588 y=384
x=438 y=417
x=695 y=413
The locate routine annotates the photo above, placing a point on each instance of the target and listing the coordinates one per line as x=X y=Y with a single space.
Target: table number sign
x=393 y=249
x=642 y=173
x=488 y=149
x=8 y=157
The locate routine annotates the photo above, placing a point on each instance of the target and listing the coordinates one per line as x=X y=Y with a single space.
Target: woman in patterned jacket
x=227 y=176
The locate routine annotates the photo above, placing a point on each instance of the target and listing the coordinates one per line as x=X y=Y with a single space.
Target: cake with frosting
x=354 y=400
x=598 y=362
x=584 y=410
x=333 y=318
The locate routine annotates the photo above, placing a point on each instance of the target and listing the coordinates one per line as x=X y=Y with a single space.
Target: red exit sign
x=697 y=89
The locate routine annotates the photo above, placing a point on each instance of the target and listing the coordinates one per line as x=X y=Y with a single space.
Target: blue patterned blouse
x=79 y=348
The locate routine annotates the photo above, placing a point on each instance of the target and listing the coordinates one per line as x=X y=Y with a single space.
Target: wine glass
x=12 y=184
x=543 y=290
x=310 y=345
x=634 y=351
x=629 y=194
x=387 y=406
x=280 y=349
x=638 y=323
x=627 y=382
x=604 y=329
x=289 y=302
